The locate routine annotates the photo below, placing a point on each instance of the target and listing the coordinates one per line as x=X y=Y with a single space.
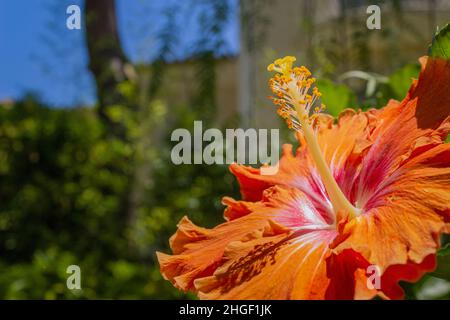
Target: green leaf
x=401 y=80
x=443 y=263
x=445 y=251
x=433 y=288
x=440 y=47
x=336 y=97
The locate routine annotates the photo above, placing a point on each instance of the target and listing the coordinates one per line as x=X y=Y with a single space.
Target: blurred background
x=86 y=117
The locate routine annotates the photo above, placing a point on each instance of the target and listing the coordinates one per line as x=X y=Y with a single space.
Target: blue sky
x=39 y=55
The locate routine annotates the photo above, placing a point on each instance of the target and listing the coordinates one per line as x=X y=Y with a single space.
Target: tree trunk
x=106 y=58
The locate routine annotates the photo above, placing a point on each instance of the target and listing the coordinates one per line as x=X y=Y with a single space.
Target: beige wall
x=324 y=36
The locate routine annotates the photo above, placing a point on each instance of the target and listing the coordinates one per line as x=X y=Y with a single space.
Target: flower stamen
x=296 y=99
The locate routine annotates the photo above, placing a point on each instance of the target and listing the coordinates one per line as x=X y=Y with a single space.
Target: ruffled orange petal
x=405 y=225
x=281 y=267
x=407 y=129
x=284 y=223
x=348 y=273
x=198 y=252
x=410 y=272
x=393 y=235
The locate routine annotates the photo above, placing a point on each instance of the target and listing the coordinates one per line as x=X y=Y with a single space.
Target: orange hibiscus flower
x=370 y=191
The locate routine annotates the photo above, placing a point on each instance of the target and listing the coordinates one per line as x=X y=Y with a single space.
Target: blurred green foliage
x=65 y=196
x=440 y=47
x=336 y=97
x=376 y=91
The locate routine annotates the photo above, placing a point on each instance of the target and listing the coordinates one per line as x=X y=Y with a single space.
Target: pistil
x=292 y=88
x=337 y=197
